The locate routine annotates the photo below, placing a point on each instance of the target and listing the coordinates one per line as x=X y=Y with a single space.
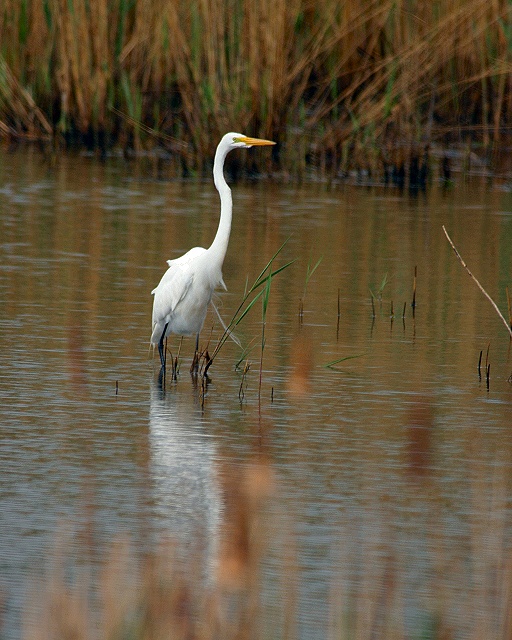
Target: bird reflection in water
x=186 y=488
x=210 y=507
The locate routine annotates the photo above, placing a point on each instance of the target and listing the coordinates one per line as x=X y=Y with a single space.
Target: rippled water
x=393 y=462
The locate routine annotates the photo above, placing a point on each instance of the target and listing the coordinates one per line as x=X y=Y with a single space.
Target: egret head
x=237 y=140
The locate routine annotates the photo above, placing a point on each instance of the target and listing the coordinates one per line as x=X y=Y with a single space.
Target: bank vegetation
x=338 y=84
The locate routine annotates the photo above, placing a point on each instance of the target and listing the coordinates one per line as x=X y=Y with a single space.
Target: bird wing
x=187 y=257
x=174 y=284
x=178 y=266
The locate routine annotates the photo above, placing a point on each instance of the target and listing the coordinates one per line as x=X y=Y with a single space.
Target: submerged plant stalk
x=413 y=303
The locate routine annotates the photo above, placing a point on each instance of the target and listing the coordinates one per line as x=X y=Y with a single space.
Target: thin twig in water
x=509 y=308
x=176 y=369
x=413 y=303
x=509 y=329
x=339 y=315
x=264 y=306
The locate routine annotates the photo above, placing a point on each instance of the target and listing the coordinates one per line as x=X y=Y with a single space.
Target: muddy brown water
x=398 y=451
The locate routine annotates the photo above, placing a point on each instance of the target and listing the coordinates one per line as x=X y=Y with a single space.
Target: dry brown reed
x=495 y=306
x=340 y=85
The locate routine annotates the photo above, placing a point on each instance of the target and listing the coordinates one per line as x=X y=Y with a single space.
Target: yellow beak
x=256 y=142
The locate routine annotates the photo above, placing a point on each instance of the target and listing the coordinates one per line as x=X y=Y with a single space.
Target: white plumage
x=183 y=294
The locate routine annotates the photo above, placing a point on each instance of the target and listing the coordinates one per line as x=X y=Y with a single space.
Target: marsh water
x=386 y=472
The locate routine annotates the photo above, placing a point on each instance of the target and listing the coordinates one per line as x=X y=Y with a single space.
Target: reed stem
x=495 y=306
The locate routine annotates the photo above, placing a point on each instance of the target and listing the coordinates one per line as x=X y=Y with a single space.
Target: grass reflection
x=381 y=584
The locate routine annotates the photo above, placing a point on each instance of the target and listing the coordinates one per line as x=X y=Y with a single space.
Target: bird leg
x=161 y=349
x=194 y=367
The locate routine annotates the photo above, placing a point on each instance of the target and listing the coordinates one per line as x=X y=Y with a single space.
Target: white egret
x=183 y=294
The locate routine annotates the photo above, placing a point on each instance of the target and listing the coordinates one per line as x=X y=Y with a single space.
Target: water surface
x=394 y=462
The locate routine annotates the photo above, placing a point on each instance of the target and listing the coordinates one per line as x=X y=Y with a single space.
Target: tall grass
x=338 y=83
x=259 y=289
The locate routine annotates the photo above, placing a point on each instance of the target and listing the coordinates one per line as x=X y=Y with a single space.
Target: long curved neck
x=219 y=245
